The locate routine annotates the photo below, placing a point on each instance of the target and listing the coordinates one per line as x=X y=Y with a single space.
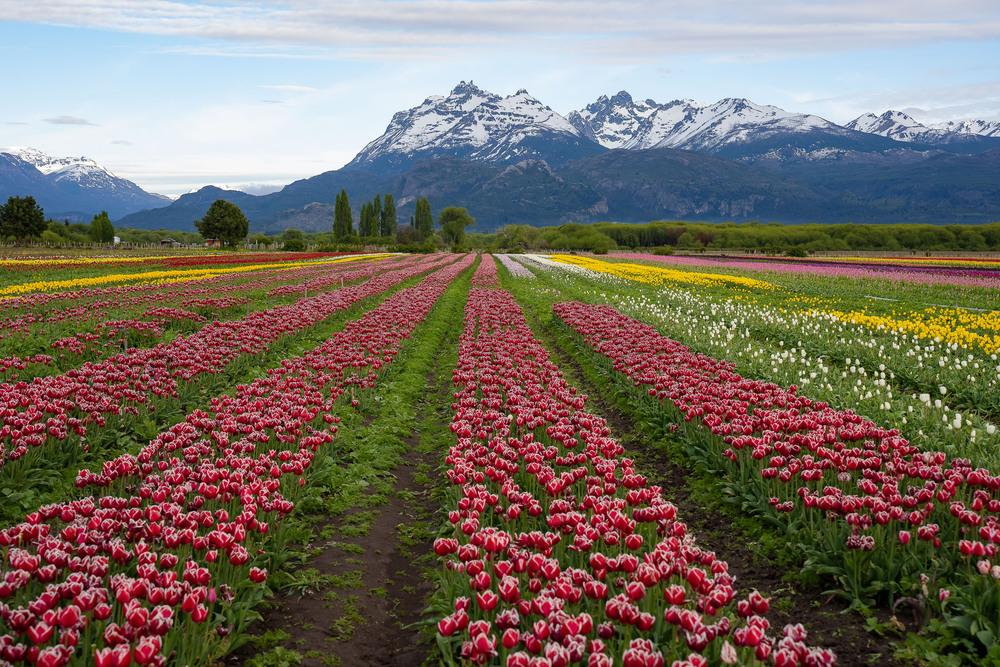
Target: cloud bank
x=635 y=30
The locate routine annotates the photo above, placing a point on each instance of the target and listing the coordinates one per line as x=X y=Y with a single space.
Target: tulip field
x=524 y=460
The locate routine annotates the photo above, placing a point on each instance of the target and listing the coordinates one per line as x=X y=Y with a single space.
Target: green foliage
x=50 y=237
x=423 y=220
x=21 y=218
x=376 y=221
x=564 y=237
x=293 y=240
x=154 y=236
x=224 y=221
x=772 y=238
x=278 y=656
x=343 y=225
x=388 y=228
x=371 y=222
x=777 y=238
x=101 y=229
x=260 y=239
x=453 y=221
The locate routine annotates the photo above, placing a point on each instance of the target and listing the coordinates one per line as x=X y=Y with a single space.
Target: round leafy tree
x=224 y=221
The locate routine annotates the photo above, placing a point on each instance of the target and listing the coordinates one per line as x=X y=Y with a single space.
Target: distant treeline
x=770 y=238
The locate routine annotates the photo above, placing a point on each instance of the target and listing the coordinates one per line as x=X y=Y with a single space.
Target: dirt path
x=357 y=590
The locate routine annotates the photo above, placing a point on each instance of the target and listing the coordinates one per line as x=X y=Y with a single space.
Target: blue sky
x=175 y=95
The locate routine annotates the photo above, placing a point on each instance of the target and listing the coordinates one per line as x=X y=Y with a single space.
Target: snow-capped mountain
x=475 y=124
x=82 y=171
x=73 y=187
x=983 y=128
x=899 y=126
x=621 y=122
x=902 y=127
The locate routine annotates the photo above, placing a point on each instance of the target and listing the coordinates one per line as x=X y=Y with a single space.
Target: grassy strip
x=351 y=481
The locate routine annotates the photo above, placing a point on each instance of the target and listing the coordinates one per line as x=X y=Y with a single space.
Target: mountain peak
x=48 y=164
x=622 y=97
x=894 y=125
x=466 y=88
x=898 y=116
x=475 y=124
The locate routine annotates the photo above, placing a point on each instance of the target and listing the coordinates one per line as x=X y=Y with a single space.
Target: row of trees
x=378 y=218
x=377 y=224
x=803 y=238
x=22 y=219
x=667 y=237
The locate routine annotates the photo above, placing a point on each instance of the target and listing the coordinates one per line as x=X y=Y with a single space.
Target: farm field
x=527 y=460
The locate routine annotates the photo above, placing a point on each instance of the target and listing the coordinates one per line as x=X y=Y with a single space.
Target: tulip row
x=562 y=553
x=55 y=409
x=975 y=274
x=199 y=259
x=75 y=344
x=152 y=277
x=18 y=314
x=161 y=566
x=656 y=275
x=882 y=512
x=516 y=269
x=112 y=335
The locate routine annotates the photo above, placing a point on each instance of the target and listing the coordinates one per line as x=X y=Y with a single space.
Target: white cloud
x=290 y=88
x=929 y=104
x=633 y=30
x=68 y=120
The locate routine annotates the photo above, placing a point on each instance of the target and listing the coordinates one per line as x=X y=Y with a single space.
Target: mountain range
x=514 y=159
x=71 y=187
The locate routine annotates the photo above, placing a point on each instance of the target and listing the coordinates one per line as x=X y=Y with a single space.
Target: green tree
x=453 y=221
x=261 y=239
x=101 y=229
x=376 y=222
x=50 y=237
x=389 y=222
x=365 y=220
x=423 y=221
x=224 y=221
x=343 y=226
x=21 y=218
x=293 y=240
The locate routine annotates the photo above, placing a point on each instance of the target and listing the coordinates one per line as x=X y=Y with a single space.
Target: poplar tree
x=365 y=221
x=101 y=229
x=423 y=219
x=389 y=217
x=343 y=226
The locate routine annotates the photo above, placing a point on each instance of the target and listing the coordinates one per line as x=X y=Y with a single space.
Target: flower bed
x=164 y=562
